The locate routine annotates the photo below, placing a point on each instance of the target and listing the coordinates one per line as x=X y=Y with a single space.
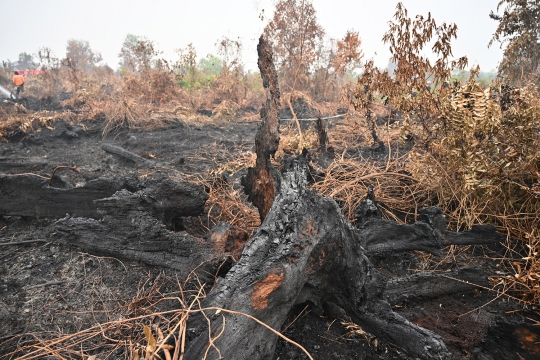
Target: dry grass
x=17 y=119
x=143 y=331
x=226 y=110
x=397 y=191
x=225 y=203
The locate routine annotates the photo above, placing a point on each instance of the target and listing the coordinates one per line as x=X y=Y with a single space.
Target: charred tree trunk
x=260 y=181
x=304 y=250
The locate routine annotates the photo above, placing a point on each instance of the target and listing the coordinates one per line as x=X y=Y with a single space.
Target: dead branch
x=22 y=242
x=117 y=150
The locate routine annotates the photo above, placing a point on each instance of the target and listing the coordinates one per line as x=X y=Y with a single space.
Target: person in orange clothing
x=18 y=80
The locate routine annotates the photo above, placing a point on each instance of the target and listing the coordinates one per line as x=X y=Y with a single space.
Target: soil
x=49 y=287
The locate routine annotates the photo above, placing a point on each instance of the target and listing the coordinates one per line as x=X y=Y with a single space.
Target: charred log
x=14 y=163
x=130 y=230
x=260 y=181
x=430 y=234
x=434 y=284
x=31 y=196
x=128 y=155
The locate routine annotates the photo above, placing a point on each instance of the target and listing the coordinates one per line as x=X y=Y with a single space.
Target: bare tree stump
x=304 y=250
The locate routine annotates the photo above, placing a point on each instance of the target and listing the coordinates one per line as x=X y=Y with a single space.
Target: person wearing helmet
x=18 y=80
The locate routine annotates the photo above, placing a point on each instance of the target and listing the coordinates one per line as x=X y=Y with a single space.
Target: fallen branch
x=22 y=242
x=74 y=168
x=434 y=284
x=45 y=284
x=117 y=150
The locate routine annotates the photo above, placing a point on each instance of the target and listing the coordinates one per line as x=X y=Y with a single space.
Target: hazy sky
x=27 y=26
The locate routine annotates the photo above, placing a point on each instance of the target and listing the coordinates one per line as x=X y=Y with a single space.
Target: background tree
x=519 y=31
x=408 y=39
x=137 y=53
x=185 y=67
x=294 y=34
x=336 y=62
x=348 y=54
x=26 y=61
x=210 y=65
x=80 y=52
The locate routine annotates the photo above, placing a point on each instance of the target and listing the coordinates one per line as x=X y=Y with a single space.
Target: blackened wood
x=27 y=195
x=260 y=182
x=130 y=230
x=304 y=250
x=17 y=163
x=167 y=199
x=322 y=134
x=117 y=150
x=430 y=234
x=367 y=209
x=434 y=284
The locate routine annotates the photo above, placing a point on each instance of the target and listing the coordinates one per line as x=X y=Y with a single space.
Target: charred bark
x=304 y=250
x=260 y=181
x=128 y=155
x=322 y=134
x=430 y=234
x=31 y=196
x=434 y=284
x=130 y=230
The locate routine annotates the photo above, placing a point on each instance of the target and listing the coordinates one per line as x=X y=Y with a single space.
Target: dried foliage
x=348 y=53
x=474 y=151
x=294 y=34
x=483 y=166
x=400 y=194
x=230 y=205
x=518 y=32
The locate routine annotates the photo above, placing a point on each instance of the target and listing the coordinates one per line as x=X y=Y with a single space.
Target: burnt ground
x=49 y=287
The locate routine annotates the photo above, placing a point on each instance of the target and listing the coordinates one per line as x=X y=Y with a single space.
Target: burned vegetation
x=400 y=224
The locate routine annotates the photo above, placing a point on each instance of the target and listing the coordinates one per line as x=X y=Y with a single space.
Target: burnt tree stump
x=305 y=250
